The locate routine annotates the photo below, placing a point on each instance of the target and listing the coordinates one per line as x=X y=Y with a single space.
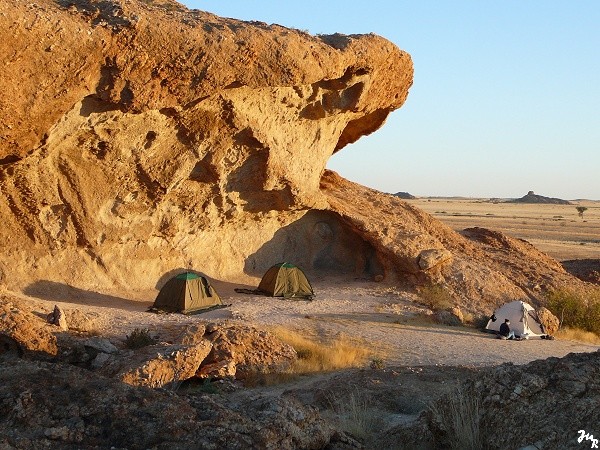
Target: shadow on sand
x=64 y=293
x=379 y=319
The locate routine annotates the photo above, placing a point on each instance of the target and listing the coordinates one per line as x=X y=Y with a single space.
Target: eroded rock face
x=156 y=137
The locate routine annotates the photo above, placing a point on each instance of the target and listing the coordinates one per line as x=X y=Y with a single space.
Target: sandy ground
x=380 y=317
x=557 y=230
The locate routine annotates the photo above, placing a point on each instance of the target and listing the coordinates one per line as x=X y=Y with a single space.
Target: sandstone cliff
x=139 y=137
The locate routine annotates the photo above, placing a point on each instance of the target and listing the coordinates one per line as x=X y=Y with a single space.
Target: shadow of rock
x=60 y=292
x=321 y=244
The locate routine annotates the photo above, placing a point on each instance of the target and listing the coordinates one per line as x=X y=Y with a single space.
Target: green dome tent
x=187 y=293
x=286 y=280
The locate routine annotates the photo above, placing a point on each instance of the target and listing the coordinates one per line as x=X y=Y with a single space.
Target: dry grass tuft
x=355 y=415
x=577 y=334
x=458 y=417
x=314 y=356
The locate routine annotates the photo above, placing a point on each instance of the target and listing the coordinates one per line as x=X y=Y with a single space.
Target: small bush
x=377 y=364
x=576 y=309
x=197 y=386
x=139 y=338
x=436 y=297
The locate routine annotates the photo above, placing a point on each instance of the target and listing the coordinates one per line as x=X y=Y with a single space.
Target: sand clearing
x=385 y=319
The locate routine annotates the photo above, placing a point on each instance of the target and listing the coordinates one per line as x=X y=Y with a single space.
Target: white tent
x=523 y=319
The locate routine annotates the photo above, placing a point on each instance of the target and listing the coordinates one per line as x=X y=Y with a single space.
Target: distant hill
x=404 y=195
x=531 y=197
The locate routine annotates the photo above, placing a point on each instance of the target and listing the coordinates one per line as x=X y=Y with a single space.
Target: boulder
x=83 y=322
x=240 y=351
x=23 y=333
x=430 y=258
x=156 y=366
x=101 y=345
x=548 y=320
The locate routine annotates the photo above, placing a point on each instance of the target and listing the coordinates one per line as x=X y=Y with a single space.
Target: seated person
x=506 y=331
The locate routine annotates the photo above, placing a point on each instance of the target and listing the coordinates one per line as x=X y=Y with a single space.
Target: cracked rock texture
x=142 y=137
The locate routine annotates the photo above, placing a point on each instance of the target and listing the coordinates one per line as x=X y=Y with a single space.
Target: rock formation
x=141 y=137
x=532 y=197
x=542 y=404
x=54 y=406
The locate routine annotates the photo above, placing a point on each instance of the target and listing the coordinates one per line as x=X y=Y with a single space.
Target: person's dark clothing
x=504 y=329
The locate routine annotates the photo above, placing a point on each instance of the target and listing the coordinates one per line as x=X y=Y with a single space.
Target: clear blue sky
x=506 y=96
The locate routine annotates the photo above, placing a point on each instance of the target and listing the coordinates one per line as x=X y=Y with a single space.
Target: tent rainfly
x=187 y=293
x=286 y=280
x=523 y=319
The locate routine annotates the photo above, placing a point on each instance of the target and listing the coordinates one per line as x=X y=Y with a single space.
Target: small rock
x=57 y=317
x=100 y=360
x=101 y=345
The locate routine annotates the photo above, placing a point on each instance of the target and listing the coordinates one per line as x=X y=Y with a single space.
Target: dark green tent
x=285 y=280
x=187 y=293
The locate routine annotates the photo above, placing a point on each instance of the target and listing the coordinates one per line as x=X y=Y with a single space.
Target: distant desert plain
x=557 y=230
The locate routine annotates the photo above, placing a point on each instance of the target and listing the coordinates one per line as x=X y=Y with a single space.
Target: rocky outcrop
x=542 y=404
x=485 y=266
x=213 y=351
x=164 y=366
x=99 y=412
x=156 y=136
x=404 y=195
x=532 y=197
x=141 y=137
x=24 y=334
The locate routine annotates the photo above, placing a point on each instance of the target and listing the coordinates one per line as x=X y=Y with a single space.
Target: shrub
x=436 y=297
x=480 y=321
x=576 y=309
x=377 y=363
x=139 y=338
